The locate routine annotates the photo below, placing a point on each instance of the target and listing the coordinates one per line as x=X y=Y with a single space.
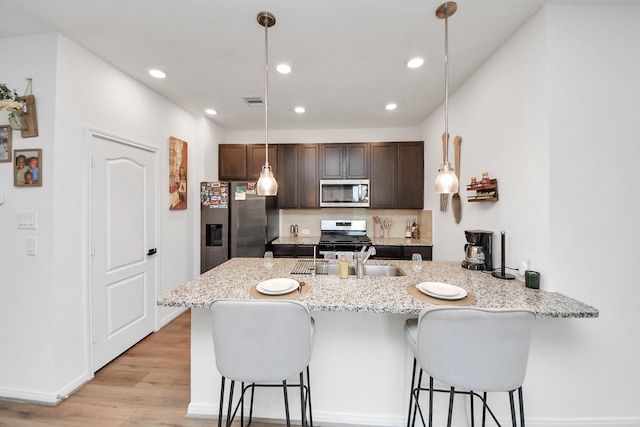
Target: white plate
x=442 y=290
x=277 y=286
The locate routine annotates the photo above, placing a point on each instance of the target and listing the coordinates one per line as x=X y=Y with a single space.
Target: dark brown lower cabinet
x=382 y=252
x=293 y=251
x=403 y=252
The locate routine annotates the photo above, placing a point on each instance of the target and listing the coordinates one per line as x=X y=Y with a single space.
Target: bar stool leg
x=309 y=397
x=221 y=403
x=513 y=410
x=230 y=406
x=413 y=381
x=430 y=401
x=521 y=406
x=286 y=402
x=484 y=408
x=452 y=393
x=473 y=417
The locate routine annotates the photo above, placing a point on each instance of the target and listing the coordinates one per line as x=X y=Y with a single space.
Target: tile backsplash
x=309 y=219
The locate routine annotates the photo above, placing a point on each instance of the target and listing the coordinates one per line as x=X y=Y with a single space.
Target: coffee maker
x=478 y=250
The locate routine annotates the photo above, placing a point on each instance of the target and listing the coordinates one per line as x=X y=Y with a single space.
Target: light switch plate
x=32 y=246
x=27 y=220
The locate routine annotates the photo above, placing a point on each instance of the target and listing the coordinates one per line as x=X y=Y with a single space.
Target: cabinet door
x=356 y=161
x=304 y=251
x=232 y=162
x=410 y=175
x=287 y=178
x=309 y=176
x=331 y=158
x=256 y=158
x=388 y=252
x=425 y=251
x=384 y=175
x=284 y=251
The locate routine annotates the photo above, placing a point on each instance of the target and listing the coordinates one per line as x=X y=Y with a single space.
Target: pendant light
x=267 y=184
x=446 y=181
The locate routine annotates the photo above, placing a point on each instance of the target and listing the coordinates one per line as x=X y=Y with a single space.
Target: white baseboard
x=49 y=399
x=204 y=410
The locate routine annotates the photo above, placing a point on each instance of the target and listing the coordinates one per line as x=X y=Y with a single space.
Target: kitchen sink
x=388 y=270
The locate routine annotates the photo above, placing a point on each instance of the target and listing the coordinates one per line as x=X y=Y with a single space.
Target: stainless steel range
x=343 y=235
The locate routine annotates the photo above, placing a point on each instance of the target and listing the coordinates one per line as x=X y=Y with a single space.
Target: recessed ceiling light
x=211 y=111
x=283 y=68
x=299 y=110
x=158 y=74
x=391 y=106
x=415 y=62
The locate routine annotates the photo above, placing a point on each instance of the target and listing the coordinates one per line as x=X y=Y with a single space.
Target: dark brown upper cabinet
x=397 y=175
x=256 y=158
x=243 y=162
x=411 y=175
x=232 y=162
x=344 y=161
x=298 y=177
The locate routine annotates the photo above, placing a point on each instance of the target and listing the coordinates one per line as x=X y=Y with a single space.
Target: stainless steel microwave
x=345 y=193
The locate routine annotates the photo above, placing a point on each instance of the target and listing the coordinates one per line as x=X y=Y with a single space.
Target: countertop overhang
x=373 y=294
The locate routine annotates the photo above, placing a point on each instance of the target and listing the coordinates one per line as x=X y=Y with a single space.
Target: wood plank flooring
x=148 y=385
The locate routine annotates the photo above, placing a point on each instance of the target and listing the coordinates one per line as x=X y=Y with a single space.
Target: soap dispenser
x=343 y=268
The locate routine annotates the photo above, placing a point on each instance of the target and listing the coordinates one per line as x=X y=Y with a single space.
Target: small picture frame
x=27 y=167
x=5 y=143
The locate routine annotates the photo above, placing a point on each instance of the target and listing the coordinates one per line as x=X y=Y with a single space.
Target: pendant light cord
x=446 y=81
x=266 y=94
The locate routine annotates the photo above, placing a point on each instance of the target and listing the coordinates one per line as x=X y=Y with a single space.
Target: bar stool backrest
x=475 y=349
x=261 y=340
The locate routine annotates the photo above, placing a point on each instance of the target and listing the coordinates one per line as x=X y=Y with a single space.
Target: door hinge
x=93 y=162
x=93 y=250
x=93 y=336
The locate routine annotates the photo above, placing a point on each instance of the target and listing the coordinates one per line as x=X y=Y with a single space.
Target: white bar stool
x=469 y=349
x=262 y=343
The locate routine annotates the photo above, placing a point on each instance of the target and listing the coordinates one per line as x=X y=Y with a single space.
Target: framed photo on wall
x=27 y=167
x=5 y=143
x=178 y=165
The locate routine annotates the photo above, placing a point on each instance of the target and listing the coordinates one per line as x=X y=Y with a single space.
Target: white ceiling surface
x=348 y=57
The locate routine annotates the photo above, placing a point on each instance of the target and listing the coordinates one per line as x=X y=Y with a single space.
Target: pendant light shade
x=446 y=181
x=267 y=184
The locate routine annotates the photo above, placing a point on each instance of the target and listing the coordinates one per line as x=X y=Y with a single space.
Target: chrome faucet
x=361 y=259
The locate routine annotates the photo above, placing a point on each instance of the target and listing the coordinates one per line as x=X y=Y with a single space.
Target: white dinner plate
x=442 y=290
x=277 y=286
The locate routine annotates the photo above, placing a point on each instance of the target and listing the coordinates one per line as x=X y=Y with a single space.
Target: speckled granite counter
x=234 y=278
x=359 y=341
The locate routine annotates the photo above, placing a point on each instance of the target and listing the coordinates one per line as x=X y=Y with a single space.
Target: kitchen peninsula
x=360 y=368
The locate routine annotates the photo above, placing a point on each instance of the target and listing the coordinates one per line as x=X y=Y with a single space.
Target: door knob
x=152 y=251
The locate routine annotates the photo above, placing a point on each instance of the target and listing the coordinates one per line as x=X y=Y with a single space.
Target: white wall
x=546 y=115
x=45 y=298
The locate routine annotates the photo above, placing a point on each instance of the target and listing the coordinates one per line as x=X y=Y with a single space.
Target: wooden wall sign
x=31 y=116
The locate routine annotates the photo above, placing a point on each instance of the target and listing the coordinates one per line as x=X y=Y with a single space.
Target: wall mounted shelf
x=484 y=192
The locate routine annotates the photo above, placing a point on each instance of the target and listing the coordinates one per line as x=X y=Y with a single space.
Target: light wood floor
x=146 y=386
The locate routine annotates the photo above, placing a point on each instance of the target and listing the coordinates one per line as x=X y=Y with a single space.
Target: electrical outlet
x=305 y=231
x=524 y=266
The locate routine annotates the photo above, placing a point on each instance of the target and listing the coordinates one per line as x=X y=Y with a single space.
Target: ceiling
x=348 y=56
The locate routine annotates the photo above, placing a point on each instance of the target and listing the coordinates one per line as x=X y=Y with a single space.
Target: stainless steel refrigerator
x=235 y=222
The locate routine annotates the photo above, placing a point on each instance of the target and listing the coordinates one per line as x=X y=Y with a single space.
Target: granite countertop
x=376 y=241
x=234 y=279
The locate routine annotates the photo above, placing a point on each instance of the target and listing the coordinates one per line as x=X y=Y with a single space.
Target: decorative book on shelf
x=484 y=192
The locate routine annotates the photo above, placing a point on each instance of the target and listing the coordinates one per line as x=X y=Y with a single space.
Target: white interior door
x=123 y=242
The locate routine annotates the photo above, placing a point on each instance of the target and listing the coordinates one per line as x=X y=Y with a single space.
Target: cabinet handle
x=152 y=252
